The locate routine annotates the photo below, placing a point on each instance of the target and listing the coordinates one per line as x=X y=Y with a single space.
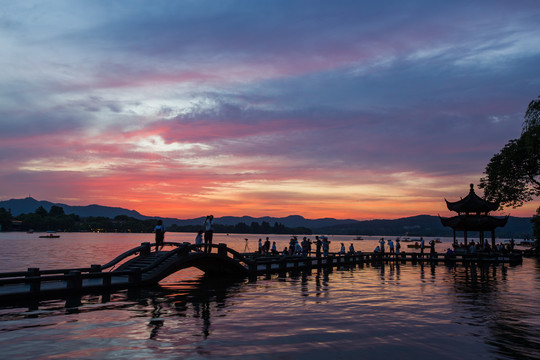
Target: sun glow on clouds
x=352 y=111
x=156 y=144
x=63 y=165
x=315 y=197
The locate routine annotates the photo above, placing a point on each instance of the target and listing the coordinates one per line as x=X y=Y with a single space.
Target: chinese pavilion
x=473 y=215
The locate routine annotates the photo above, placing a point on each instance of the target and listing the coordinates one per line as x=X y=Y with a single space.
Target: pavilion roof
x=472 y=203
x=474 y=222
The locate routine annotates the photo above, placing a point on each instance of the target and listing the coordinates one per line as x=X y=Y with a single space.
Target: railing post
x=74 y=280
x=146 y=249
x=135 y=277
x=222 y=250
x=283 y=265
x=107 y=280
x=252 y=269
x=35 y=282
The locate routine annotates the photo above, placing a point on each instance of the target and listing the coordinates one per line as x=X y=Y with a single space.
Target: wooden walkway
x=141 y=267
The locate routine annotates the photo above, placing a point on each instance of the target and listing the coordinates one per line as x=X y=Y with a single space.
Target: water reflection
x=487 y=302
x=197 y=299
x=386 y=308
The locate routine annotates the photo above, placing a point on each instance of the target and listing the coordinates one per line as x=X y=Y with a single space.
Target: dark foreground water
x=370 y=312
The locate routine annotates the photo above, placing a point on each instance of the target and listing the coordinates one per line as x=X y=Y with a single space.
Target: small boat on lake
x=358 y=238
x=51 y=235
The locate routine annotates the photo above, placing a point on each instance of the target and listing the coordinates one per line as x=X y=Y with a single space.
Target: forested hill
x=29 y=205
x=422 y=225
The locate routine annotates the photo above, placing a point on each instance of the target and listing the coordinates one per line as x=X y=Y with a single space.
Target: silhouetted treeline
x=243 y=228
x=56 y=219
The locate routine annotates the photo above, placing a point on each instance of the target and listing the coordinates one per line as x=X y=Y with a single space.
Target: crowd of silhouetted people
x=305 y=247
x=474 y=248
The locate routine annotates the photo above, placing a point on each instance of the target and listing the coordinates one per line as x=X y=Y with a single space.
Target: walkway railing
x=145 y=248
x=36 y=282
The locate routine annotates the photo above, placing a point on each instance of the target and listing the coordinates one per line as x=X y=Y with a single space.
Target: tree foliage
x=5 y=219
x=532 y=115
x=56 y=219
x=513 y=174
x=56 y=211
x=536 y=225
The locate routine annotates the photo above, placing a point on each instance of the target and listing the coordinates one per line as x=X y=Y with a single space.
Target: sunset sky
x=344 y=109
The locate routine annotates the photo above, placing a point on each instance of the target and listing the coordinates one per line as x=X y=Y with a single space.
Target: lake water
x=387 y=311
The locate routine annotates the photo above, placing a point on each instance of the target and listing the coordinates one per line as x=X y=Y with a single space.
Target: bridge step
x=158 y=270
x=141 y=261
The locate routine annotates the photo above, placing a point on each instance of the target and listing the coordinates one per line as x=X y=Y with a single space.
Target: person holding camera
x=208 y=233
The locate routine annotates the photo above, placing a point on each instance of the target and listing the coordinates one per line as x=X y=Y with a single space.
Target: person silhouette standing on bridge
x=208 y=233
x=199 y=239
x=325 y=246
x=432 y=248
x=160 y=234
x=266 y=247
x=318 y=246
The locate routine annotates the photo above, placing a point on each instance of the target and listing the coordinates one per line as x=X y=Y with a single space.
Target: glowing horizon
x=354 y=110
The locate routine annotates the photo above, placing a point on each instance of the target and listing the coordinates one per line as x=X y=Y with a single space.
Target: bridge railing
x=31 y=271
x=143 y=248
x=240 y=258
x=181 y=250
x=178 y=251
x=222 y=250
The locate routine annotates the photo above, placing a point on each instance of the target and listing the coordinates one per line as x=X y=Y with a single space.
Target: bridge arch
x=155 y=266
x=210 y=264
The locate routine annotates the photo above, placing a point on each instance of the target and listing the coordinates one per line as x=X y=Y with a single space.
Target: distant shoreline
x=419 y=225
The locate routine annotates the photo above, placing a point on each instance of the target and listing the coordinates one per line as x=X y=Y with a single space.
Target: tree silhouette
x=513 y=175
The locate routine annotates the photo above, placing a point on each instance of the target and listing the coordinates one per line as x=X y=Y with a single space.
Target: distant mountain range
x=29 y=205
x=421 y=225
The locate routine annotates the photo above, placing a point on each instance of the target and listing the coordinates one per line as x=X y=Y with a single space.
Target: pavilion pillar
x=455 y=241
x=465 y=237
x=481 y=238
x=493 y=238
